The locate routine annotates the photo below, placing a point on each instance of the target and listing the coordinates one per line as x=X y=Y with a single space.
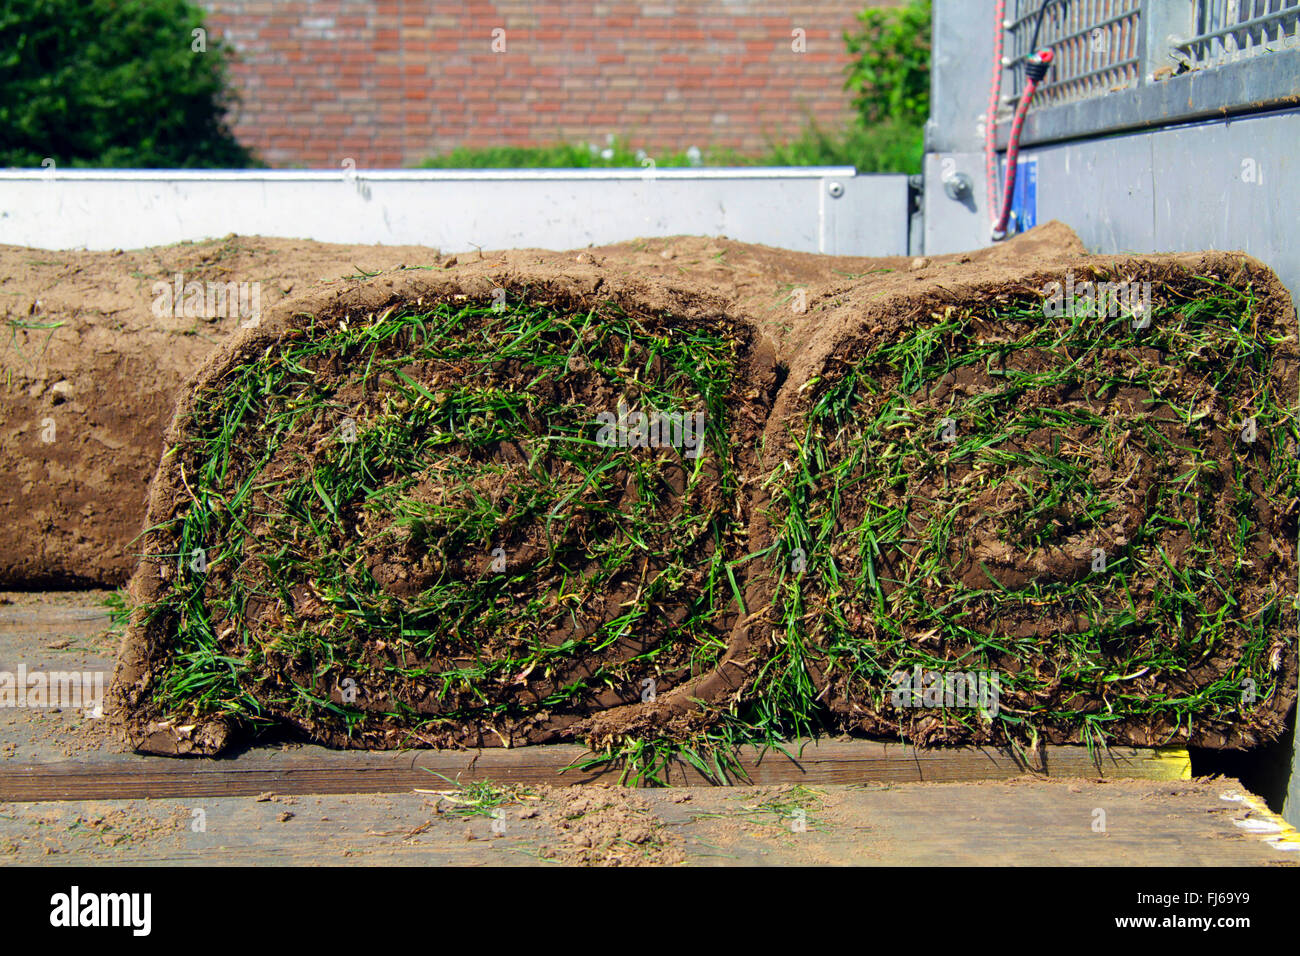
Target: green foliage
x=615 y=154
x=112 y=83
x=886 y=147
x=890 y=74
x=890 y=146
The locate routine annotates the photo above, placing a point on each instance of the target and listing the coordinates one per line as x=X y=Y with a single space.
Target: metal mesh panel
x=1162 y=61
x=1228 y=30
x=1096 y=43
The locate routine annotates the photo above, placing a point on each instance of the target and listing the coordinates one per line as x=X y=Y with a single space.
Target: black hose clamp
x=1036 y=66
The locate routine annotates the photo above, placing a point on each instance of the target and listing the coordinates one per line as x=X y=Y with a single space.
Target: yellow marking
x=1269 y=826
x=1177 y=761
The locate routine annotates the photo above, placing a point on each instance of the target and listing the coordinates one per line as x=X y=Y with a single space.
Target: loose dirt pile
x=94 y=354
x=601 y=825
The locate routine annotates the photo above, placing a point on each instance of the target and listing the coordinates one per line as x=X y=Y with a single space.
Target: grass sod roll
x=1023 y=513
x=447 y=517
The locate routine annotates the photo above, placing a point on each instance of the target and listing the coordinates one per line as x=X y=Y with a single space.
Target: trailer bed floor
x=70 y=795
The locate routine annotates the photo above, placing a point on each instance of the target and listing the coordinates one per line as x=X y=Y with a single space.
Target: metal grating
x=1097 y=45
x=1241 y=54
x=1229 y=30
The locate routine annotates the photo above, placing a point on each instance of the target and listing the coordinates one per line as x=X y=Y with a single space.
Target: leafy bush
x=890 y=74
x=890 y=77
x=112 y=83
x=890 y=146
x=556 y=156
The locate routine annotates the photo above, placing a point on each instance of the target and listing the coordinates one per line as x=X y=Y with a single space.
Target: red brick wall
x=390 y=82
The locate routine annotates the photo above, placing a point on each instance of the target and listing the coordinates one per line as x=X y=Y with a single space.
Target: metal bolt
x=835 y=189
x=957 y=185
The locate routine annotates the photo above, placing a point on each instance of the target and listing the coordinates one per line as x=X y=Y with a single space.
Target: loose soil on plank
x=1008 y=823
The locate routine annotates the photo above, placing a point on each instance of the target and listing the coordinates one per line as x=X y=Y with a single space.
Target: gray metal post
x=960 y=70
x=1164 y=24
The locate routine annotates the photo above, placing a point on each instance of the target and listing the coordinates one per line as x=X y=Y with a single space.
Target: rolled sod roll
x=448 y=510
x=1045 y=506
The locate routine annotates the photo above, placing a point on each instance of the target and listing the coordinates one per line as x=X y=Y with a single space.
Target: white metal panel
x=816 y=209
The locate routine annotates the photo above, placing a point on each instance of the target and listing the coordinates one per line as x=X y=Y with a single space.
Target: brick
x=377 y=79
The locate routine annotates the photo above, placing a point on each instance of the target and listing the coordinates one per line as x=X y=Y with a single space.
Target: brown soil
x=600 y=825
x=90 y=384
x=91 y=376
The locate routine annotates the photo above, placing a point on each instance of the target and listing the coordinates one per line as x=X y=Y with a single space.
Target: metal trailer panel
x=961 y=67
x=1232 y=184
x=1097 y=46
x=1131 y=64
x=1222 y=31
x=1271 y=81
x=818 y=209
x=954 y=225
x=1105 y=189
x=1228 y=182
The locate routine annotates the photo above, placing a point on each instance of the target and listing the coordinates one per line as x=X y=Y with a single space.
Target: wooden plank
x=867 y=761
x=314 y=770
x=1010 y=823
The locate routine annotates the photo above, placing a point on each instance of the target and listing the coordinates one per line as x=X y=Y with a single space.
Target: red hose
x=1035 y=70
x=991 y=118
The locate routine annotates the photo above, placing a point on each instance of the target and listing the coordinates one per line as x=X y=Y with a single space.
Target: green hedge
x=112 y=83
